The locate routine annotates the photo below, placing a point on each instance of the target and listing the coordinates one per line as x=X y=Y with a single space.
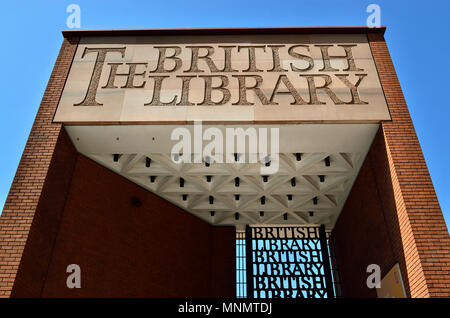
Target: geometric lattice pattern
x=309 y=188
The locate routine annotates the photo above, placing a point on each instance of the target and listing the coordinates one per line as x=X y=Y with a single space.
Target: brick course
x=150 y=249
x=424 y=236
x=394 y=204
x=38 y=251
x=361 y=235
x=25 y=192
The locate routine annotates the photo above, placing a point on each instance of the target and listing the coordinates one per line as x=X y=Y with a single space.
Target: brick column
x=423 y=239
x=25 y=193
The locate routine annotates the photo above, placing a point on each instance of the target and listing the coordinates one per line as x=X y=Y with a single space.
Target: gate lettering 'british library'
x=258 y=163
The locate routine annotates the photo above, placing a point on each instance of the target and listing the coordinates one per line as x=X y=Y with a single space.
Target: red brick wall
x=152 y=249
x=366 y=230
x=424 y=238
x=392 y=214
x=38 y=250
x=24 y=195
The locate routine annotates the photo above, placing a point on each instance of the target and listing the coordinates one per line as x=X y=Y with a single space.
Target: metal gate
x=288 y=262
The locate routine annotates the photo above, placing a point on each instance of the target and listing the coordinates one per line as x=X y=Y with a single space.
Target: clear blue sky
x=417 y=36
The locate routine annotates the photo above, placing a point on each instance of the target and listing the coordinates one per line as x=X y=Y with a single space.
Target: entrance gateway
x=318 y=97
x=224 y=162
x=288 y=262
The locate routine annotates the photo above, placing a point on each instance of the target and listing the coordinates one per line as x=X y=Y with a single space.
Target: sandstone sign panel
x=247 y=78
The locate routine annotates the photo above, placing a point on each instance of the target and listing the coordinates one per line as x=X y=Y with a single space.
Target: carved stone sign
x=248 y=78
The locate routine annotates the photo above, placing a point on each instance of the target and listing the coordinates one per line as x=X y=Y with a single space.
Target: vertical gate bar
x=326 y=260
x=335 y=270
x=249 y=260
